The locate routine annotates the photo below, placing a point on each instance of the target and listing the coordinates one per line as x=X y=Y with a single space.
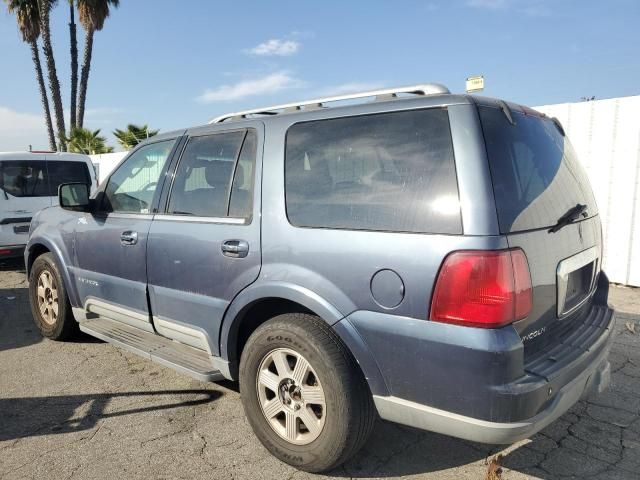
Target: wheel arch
x=259 y=303
x=256 y=305
x=40 y=246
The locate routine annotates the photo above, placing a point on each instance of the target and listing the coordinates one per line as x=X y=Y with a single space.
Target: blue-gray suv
x=429 y=258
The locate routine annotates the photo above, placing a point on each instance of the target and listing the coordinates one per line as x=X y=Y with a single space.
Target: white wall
x=606 y=137
x=106 y=162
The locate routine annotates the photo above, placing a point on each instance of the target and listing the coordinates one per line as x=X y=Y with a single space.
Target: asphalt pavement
x=88 y=410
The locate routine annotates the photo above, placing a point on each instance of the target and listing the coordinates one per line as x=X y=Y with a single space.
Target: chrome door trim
x=118 y=313
x=197 y=219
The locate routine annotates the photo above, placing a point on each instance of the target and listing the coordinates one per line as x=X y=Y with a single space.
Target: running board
x=180 y=357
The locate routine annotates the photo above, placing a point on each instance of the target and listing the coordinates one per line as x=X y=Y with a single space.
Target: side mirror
x=74 y=196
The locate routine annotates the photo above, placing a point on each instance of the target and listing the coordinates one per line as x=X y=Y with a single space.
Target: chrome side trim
x=118 y=313
x=571 y=264
x=195 y=219
x=147 y=216
x=177 y=331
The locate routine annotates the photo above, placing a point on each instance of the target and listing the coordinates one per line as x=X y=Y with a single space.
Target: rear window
x=388 y=172
x=536 y=175
x=29 y=178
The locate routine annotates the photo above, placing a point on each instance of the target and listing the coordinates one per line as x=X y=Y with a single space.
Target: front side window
x=386 y=172
x=24 y=178
x=132 y=186
x=215 y=176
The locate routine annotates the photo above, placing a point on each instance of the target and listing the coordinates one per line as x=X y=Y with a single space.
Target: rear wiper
x=572 y=214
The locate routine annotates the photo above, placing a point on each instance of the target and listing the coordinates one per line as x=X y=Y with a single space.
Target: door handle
x=129 y=238
x=235 y=248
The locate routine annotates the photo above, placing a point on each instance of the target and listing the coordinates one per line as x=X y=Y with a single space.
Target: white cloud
x=275 y=47
x=272 y=83
x=19 y=130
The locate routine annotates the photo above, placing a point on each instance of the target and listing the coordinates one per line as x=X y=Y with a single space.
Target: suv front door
x=205 y=248
x=111 y=243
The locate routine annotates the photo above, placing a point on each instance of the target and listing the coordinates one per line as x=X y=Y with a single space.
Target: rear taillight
x=484 y=289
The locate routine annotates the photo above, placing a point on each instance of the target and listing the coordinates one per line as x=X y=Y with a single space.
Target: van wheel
x=49 y=301
x=303 y=393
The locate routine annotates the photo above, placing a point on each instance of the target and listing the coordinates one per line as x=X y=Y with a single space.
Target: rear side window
x=388 y=172
x=27 y=178
x=536 y=175
x=66 y=172
x=215 y=176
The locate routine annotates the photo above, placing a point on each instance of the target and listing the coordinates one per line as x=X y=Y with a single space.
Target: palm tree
x=133 y=135
x=28 y=18
x=92 y=15
x=83 y=140
x=44 y=7
x=73 y=47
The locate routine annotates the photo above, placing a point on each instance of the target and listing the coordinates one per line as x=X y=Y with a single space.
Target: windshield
x=536 y=175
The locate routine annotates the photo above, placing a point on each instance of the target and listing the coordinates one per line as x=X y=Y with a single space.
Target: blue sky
x=170 y=66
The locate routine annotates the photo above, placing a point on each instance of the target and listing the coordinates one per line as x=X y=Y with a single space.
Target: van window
x=536 y=175
x=215 y=176
x=40 y=178
x=389 y=172
x=66 y=172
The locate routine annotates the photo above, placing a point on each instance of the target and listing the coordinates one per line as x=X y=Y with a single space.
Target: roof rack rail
x=384 y=94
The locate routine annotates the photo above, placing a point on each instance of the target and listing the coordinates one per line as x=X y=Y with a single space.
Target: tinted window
x=536 y=176
x=392 y=171
x=209 y=167
x=28 y=178
x=132 y=186
x=24 y=178
x=66 y=172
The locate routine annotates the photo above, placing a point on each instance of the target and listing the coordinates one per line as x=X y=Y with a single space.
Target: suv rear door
x=205 y=247
x=537 y=180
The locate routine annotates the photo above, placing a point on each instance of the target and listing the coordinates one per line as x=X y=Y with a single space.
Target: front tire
x=303 y=393
x=50 y=304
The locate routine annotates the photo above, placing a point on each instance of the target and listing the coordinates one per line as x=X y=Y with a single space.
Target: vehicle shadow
x=15 y=264
x=17 y=328
x=33 y=416
x=16 y=325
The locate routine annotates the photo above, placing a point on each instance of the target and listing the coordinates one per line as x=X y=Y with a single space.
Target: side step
x=153 y=347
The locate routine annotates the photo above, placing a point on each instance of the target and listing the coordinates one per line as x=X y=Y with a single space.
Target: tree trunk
x=74 y=65
x=35 y=54
x=84 y=75
x=54 y=84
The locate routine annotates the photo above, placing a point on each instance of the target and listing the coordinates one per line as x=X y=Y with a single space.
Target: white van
x=29 y=182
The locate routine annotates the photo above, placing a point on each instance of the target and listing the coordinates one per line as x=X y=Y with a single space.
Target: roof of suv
x=427 y=95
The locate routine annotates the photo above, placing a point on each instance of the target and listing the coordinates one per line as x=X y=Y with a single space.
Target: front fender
x=58 y=242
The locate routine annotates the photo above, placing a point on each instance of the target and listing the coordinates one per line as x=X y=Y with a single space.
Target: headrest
x=218 y=173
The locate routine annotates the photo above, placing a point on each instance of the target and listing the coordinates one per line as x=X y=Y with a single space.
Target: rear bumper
x=593 y=380
x=11 y=251
x=474 y=383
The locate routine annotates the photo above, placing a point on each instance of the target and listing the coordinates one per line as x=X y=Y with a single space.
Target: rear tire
x=50 y=305
x=295 y=370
